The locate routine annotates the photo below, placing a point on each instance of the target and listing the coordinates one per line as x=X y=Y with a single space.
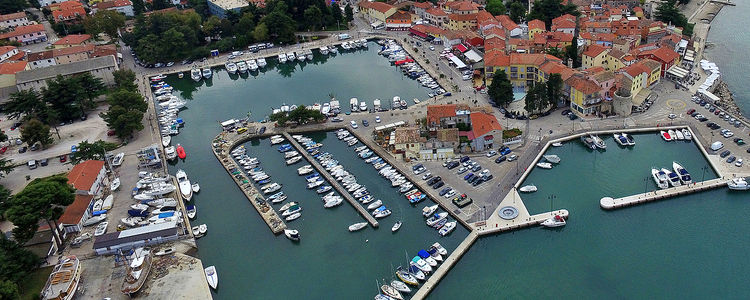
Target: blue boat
x=417 y=199
x=99 y=212
x=166 y=215
x=423 y=253
x=313 y=175
x=264 y=181
x=285 y=147
x=137 y=213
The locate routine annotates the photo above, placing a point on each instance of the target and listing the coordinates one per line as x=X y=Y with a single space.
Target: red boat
x=181 y=152
x=665 y=135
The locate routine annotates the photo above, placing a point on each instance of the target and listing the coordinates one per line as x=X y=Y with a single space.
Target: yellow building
x=594 y=56
x=461 y=22
x=408 y=142
x=585 y=95
x=379 y=11
x=536 y=26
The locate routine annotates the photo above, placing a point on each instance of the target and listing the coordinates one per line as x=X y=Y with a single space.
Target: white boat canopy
x=228 y=123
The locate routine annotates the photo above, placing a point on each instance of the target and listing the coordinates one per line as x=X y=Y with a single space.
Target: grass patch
x=34 y=283
x=511 y=133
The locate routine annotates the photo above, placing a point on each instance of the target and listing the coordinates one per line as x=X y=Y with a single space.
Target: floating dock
x=335 y=184
x=611 y=203
x=222 y=145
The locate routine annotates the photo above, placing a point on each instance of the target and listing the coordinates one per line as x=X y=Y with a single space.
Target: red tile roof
x=483 y=123
x=13 y=16
x=69 y=12
x=663 y=54
x=436 y=12
x=72 y=39
x=594 y=50
x=73 y=50
x=463 y=18
x=425 y=28
x=423 y=5
x=111 y=4
x=436 y=112
x=379 y=6
x=12 y=67
x=494 y=43
x=83 y=175
x=496 y=59
x=6 y=49
x=583 y=85
x=75 y=211
x=21 y=30
x=537 y=24
x=506 y=22
x=462 y=5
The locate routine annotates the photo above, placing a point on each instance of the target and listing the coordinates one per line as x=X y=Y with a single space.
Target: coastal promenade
x=609 y=203
x=222 y=145
x=335 y=184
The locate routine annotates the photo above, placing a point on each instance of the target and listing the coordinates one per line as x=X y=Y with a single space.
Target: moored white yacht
x=185 y=187
x=680 y=171
x=660 y=178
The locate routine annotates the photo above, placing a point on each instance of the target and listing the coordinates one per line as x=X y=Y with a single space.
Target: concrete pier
x=611 y=203
x=447 y=264
x=222 y=145
x=335 y=184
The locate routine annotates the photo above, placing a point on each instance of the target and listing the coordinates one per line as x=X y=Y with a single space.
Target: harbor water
x=329 y=261
x=684 y=247
x=729 y=50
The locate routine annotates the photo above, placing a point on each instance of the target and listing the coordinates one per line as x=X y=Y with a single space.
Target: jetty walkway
x=335 y=184
x=222 y=146
x=612 y=203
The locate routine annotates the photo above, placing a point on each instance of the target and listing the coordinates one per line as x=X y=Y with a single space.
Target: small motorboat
x=375 y=204
x=191 y=210
x=436 y=218
x=212 y=277
x=357 y=226
x=421 y=264
x=287 y=205
x=202 y=229
x=631 y=140
x=686 y=133
x=680 y=171
x=117 y=160
x=396 y=226
x=528 y=188
x=427 y=257
x=552 y=158
x=101 y=228
x=293 y=216
x=738 y=184
x=381 y=212
x=400 y=286
x=291 y=210
x=429 y=210
x=165 y=140
x=555 y=221
x=195 y=187
x=115 y=184
x=678 y=134
x=665 y=135
x=660 y=178
x=336 y=201
x=292 y=234
x=674 y=179
x=599 y=142
x=181 y=152
x=406 y=277
x=323 y=189
x=672 y=134
x=447 y=228
x=544 y=165
x=440 y=248
x=108 y=201
x=557 y=144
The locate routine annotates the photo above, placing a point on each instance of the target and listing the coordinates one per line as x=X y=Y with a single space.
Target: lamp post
x=645 y=184
x=704 y=168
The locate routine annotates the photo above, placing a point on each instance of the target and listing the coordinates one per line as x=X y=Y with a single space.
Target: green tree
x=212 y=26
x=91 y=151
x=104 y=21
x=556 y=52
x=668 y=12
x=496 y=7
x=302 y=115
x=517 y=12
x=25 y=103
x=260 y=33
x=313 y=17
x=554 y=90
x=16 y=263
x=246 y=23
x=281 y=27
x=11 y=6
x=8 y=289
x=571 y=53
x=546 y=10
x=138 y=7
x=127 y=99
x=34 y=131
x=500 y=90
x=336 y=12
x=280 y=118
x=91 y=87
x=532 y=101
x=125 y=80
x=349 y=12
x=42 y=199
x=6 y=166
x=159 y=4
x=64 y=94
x=123 y=121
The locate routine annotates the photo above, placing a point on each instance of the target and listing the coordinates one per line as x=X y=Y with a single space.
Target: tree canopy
x=34 y=131
x=91 y=151
x=517 y=12
x=42 y=199
x=546 y=10
x=668 y=12
x=104 y=21
x=496 y=7
x=11 y=6
x=16 y=263
x=500 y=90
x=300 y=115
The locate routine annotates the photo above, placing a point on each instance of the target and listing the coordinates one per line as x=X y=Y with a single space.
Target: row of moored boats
x=416 y=271
x=676 y=135
x=677 y=176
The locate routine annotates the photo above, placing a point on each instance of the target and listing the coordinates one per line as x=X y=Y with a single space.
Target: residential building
x=664 y=55
x=565 y=23
x=493 y=44
x=486 y=132
x=460 y=7
x=485 y=21
x=511 y=28
x=29 y=34
x=461 y=22
x=8 y=72
x=606 y=82
x=408 y=142
x=399 y=20
x=419 y=8
x=122 y=6
x=442 y=146
x=603 y=39
x=100 y=67
x=68 y=11
x=626 y=43
x=14 y=20
x=76 y=214
x=72 y=40
x=376 y=11
x=436 y=16
x=536 y=26
x=44 y=3
x=585 y=95
x=41 y=59
x=8 y=53
x=593 y=56
x=61 y=56
x=444 y=116
x=220 y=8
x=428 y=32
x=88 y=177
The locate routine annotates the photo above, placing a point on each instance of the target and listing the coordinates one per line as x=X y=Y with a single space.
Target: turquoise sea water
x=329 y=262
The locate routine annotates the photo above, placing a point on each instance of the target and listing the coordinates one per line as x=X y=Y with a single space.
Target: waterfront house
x=376 y=11
x=446 y=116
x=72 y=40
x=123 y=241
x=220 y=8
x=13 y=20
x=585 y=95
x=28 y=34
x=430 y=33
x=407 y=141
x=398 y=21
x=75 y=214
x=101 y=67
x=486 y=132
x=122 y=6
x=664 y=55
x=88 y=177
x=436 y=16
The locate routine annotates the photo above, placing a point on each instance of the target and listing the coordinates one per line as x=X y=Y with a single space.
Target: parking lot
x=725 y=134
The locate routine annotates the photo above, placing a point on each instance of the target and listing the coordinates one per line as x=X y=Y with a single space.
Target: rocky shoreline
x=727 y=100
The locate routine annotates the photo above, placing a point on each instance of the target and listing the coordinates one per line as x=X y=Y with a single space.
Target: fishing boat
x=447 y=228
x=680 y=171
x=436 y=218
x=429 y=210
x=115 y=184
x=555 y=221
x=738 y=184
x=396 y=226
x=184 y=183
x=588 y=141
x=390 y=291
x=62 y=283
x=528 y=188
x=357 y=226
x=665 y=135
x=544 y=165
x=292 y=234
x=191 y=211
x=117 y=160
x=406 y=277
x=137 y=272
x=686 y=133
x=552 y=158
x=672 y=177
x=660 y=178
x=196 y=188
x=180 y=152
x=400 y=286
x=212 y=277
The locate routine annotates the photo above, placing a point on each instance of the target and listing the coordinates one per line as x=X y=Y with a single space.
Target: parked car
x=462 y=170
x=731 y=159
x=438 y=185
x=450 y=193
x=44 y=162
x=476 y=168
x=738 y=163
x=690 y=111
x=444 y=191
x=22 y=150
x=63 y=158
x=464 y=159
x=32 y=164
x=452 y=165
x=377 y=119
x=512 y=157
x=353 y=124
x=426 y=176
x=468 y=176
x=491 y=153
x=500 y=159
x=725 y=153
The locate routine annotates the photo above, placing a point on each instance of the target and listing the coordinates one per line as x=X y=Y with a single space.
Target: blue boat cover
x=381 y=208
x=190 y=207
x=423 y=254
x=416 y=259
x=166 y=215
x=137 y=213
x=99 y=212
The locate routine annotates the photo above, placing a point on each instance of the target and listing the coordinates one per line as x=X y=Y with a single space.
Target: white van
x=32 y=164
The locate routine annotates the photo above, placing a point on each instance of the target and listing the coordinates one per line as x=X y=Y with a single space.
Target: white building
x=44 y=3
x=6 y=52
x=13 y=20
x=101 y=67
x=122 y=6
